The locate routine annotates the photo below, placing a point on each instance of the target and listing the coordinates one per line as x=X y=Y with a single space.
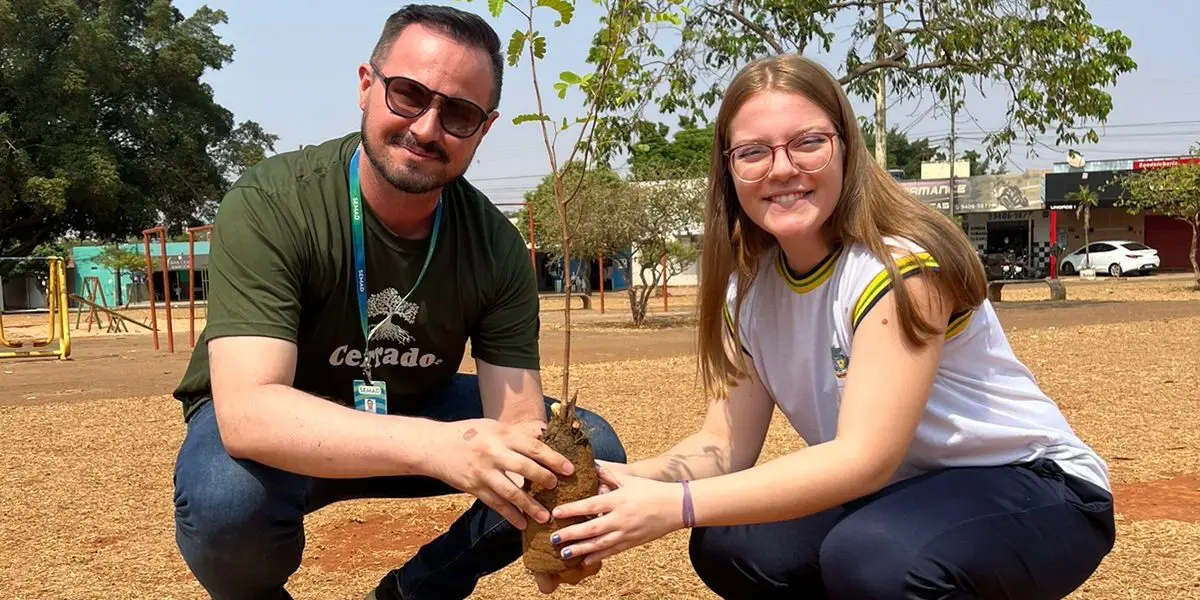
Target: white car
x=1115 y=257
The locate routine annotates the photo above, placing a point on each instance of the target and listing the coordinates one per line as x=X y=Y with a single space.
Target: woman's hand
x=634 y=512
x=613 y=468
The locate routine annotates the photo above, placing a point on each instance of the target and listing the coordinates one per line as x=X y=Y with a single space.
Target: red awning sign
x=1163 y=163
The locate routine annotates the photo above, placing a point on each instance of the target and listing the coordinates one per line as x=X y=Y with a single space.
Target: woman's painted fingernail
x=554 y=539
x=566 y=553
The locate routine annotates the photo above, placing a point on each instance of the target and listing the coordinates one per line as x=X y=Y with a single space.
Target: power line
x=1191 y=123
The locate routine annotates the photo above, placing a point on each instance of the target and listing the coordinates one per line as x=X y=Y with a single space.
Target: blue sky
x=294 y=71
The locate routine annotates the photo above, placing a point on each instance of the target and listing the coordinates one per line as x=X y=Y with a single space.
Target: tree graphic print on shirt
x=395 y=313
x=389 y=304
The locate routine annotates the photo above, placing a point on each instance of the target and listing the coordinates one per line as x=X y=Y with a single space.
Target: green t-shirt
x=281 y=265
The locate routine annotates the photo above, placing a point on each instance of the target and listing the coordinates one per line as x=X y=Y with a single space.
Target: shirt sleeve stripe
x=882 y=282
x=958 y=323
x=732 y=332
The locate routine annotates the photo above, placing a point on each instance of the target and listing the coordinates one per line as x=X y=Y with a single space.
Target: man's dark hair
x=462 y=26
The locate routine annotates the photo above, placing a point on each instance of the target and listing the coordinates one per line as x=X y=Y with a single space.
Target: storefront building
x=1000 y=213
x=1109 y=221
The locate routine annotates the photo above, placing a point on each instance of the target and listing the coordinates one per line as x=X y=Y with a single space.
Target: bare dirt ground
x=89 y=445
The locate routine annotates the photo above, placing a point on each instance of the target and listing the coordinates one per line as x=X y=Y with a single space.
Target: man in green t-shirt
x=346 y=281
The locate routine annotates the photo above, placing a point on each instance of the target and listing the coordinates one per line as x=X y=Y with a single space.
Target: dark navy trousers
x=1021 y=532
x=239 y=524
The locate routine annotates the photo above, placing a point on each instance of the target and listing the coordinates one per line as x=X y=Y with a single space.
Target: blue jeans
x=1027 y=532
x=239 y=524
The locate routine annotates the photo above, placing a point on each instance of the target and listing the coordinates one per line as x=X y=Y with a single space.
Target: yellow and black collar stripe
x=811 y=280
x=879 y=286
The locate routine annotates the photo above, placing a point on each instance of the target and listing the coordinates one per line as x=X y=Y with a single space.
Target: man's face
x=417 y=155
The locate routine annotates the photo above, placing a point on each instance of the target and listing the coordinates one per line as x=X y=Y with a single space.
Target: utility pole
x=880 y=91
x=953 y=186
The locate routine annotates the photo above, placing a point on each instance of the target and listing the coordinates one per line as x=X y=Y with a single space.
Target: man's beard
x=405 y=179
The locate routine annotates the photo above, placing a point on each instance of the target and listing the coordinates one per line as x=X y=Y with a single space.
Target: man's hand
x=475 y=456
x=548 y=582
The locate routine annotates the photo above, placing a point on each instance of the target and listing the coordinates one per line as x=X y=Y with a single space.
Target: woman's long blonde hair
x=872 y=206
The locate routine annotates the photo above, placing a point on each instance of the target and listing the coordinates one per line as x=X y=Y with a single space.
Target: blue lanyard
x=360 y=257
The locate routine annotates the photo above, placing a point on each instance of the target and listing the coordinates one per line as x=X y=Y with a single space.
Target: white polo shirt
x=985 y=408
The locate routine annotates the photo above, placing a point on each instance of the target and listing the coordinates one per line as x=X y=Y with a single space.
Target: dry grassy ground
x=85 y=488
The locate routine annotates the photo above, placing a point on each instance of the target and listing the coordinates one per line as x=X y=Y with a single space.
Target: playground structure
x=192 y=231
x=59 y=321
x=161 y=233
x=162 y=244
x=117 y=322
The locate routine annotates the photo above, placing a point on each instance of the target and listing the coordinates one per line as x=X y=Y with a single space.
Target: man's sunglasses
x=410 y=99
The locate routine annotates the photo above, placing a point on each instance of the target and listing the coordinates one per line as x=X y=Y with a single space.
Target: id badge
x=370 y=398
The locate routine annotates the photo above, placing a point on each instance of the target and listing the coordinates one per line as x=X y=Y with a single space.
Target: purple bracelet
x=689 y=511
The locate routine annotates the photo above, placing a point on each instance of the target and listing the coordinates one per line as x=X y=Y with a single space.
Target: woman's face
x=781 y=197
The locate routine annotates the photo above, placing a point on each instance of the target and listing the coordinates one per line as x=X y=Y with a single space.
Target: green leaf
x=495 y=7
x=516 y=45
x=565 y=125
x=561 y=88
x=564 y=9
x=1056 y=66
x=529 y=117
x=569 y=78
x=539 y=46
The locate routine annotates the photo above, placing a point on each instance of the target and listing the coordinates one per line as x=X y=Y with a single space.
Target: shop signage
x=1163 y=163
x=178 y=262
x=1106 y=184
x=982 y=193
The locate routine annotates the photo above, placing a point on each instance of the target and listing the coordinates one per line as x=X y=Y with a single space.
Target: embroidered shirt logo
x=841 y=362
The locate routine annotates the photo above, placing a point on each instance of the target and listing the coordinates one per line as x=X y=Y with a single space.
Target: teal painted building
x=133 y=287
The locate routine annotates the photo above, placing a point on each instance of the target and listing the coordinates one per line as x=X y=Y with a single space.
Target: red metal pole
x=162 y=245
x=150 y=287
x=1053 y=242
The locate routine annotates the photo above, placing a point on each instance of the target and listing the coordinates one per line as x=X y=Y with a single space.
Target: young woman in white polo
x=935 y=467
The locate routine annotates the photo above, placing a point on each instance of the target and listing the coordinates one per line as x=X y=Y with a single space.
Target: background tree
x=105 y=126
x=639 y=221
x=1173 y=192
x=121 y=260
x=623 y=23
x=661 y=211
x=1054 y=62
x=1085 y=199
x=596 y=220
x=686 y=156
x=981 y=165
x=902 y=153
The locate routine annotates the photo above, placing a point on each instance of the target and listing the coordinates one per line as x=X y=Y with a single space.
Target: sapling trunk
x=565 y=434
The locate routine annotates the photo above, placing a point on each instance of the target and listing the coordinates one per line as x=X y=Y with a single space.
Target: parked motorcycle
x=1007 y=266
